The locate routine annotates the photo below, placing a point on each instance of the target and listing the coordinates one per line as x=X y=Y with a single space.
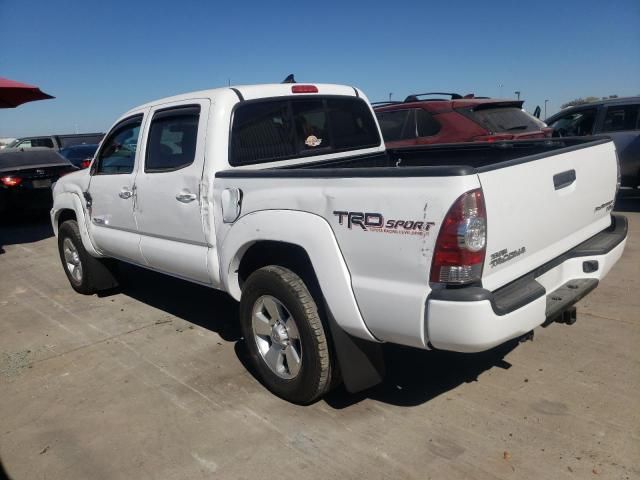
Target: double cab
x=285 y=197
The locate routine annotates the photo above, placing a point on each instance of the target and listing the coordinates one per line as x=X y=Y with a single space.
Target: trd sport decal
x=375 y=222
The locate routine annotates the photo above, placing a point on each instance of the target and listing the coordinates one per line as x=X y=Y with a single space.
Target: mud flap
x=361 y=362
x=104 y=274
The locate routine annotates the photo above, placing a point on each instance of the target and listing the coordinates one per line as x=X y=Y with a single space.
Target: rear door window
x=621 y=118
x=504 y=119
x=172 y=139
x=269 y=130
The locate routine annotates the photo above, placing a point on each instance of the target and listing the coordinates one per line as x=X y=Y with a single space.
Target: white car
x=285 y=197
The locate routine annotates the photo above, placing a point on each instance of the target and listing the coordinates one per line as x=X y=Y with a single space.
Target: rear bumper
x=473 y=319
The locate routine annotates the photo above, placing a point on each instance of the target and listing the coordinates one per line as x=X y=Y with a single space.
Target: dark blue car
x=618 y=118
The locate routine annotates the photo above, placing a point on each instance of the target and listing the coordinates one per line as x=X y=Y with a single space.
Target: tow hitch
x=568 y=317
x=560 y=302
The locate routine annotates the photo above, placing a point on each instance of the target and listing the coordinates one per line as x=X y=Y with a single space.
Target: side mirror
x=537 y=111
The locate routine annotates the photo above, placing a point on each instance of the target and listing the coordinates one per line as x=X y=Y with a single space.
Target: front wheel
x=86 y=274
x=285 y=335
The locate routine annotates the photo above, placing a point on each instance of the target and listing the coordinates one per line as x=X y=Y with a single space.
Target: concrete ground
x=149 y=383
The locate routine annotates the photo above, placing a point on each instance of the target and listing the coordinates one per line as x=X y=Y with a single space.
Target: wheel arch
x=68 y=206
x=301 y=240
x=270 y=252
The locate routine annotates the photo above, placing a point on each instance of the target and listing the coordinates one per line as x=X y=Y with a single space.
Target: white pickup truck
x=284 y=196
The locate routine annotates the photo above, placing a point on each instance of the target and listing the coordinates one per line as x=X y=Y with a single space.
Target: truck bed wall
x=483 y=155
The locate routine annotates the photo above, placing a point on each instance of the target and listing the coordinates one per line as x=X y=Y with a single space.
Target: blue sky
x=100 y=58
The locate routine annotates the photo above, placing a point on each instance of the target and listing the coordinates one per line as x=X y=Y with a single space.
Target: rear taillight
x=11 y=181
x=85 y=163
x=461 y=245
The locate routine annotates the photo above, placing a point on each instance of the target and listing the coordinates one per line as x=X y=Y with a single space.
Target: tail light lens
x=11 y=181
x=85 y=163
x=461 y=245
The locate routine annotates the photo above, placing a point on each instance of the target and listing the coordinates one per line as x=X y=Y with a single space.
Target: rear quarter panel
x=388 y=267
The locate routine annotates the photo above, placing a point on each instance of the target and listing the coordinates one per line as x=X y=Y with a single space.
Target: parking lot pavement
x=150 y=383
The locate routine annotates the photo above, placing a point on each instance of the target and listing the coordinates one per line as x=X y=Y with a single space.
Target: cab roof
x=252 y=92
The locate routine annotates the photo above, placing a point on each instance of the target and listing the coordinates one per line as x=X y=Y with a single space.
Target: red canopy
x=14 y=93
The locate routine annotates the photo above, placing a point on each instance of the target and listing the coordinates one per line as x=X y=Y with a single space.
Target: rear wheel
x=285 y=335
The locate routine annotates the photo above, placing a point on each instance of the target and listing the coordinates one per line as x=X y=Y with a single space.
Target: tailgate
x=539 y=207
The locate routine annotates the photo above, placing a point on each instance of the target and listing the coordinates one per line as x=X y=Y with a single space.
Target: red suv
x=457 y=119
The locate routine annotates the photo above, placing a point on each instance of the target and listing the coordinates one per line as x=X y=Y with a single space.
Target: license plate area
x=46 y=183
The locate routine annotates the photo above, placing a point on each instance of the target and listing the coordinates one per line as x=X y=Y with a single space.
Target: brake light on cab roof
x=304 y=89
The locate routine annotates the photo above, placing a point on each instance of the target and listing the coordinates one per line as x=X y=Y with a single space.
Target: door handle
x=125 y=193
x=185 y=197
x=564 y=179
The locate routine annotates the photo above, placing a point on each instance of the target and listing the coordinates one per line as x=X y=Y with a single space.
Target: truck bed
x=450 y=159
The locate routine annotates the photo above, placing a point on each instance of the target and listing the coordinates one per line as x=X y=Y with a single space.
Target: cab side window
x=172 y=139
x=622 y=118
x=397 y=124
x=42 y=142
x=575 y=124
x=427 y=125
x=118 y=153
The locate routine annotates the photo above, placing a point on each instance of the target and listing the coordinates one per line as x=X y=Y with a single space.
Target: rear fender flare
x=310 y=232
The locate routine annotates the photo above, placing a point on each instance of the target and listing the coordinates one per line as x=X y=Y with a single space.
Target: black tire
x=314 y=377
x=97 y=274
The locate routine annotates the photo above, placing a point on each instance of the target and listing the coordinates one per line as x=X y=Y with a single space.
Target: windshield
x=13 y=143
x=505 y=119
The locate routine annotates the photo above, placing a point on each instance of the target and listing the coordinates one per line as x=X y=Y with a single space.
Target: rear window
x=269 y=130
x=80 y=152
x=504 y=119
x=79 y=140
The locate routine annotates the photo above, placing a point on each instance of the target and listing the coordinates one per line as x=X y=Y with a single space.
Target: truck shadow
x=3 y=473
x=203 y=306
x=416 y=376
x=413 y=376
x=27 y=228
